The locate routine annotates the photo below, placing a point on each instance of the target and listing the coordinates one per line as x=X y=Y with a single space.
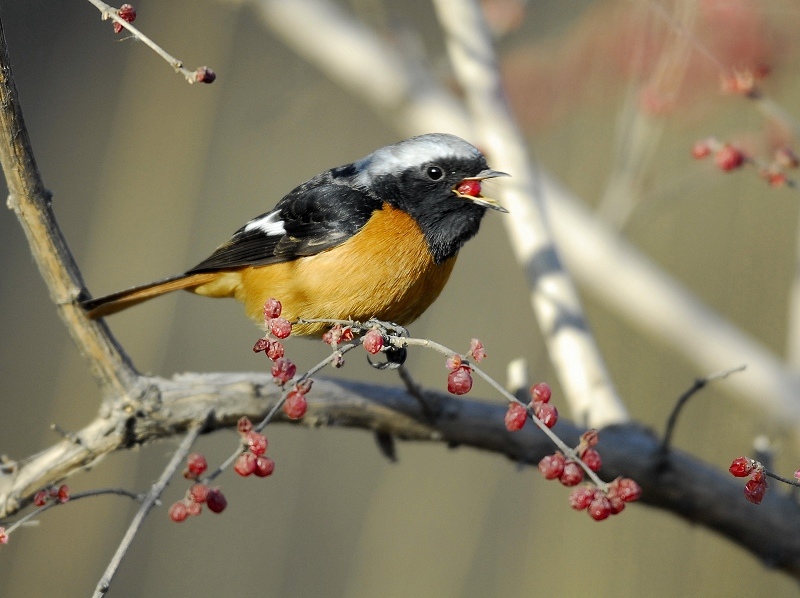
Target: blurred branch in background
x=609 y=267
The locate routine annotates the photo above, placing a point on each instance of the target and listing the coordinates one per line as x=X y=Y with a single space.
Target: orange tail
x=111 y=304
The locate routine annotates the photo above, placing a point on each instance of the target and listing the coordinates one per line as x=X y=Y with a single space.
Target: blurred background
x=150 y=174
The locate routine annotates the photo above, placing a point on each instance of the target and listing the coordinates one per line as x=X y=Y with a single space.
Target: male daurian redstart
x=377 y=238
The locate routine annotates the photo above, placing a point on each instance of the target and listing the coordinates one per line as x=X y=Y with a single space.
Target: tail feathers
x=111 y=304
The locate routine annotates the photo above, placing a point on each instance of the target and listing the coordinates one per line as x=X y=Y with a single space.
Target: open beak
x=478 y=198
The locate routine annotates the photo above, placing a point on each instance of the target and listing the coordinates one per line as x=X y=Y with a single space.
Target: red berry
x=700 y=150
x=3 y=536
x=469 y=187
x=178 y=512
x=515 y=417
x=625 y=488
x=283 y=370
x=295 y=405
x=572 y=474
x=216 y=501
x=546 y=412
x=244 y=425
x=280 y=327
x=581 y=497
x=193 y=508
x=275 y=350
x=476 y=350
x=552 y=466
x=600 y=507
x=196 y=464
x=63 y=493
x=741 y=467
x=373 y=341
x=127 y=13
x=264 y=467
x=262 y=344
x=245 y=464
x=754 y=490
x=541 y=392
x=41 y=498
x=459 y=382
x=453 y=362
x=592 y=459
x=256 y=442
x=272 y=309
x=347 y=334
x=198 y=493
x=204 y=75
x=729 y=158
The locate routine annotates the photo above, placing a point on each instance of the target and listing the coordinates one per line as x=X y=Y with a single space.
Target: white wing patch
x=271 y=225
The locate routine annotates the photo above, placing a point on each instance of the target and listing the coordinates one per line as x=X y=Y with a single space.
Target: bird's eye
x=434 y=173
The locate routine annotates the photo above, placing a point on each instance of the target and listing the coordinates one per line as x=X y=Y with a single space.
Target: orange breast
x=384 y=271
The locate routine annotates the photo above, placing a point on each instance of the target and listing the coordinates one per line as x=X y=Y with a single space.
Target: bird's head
x=437 y=179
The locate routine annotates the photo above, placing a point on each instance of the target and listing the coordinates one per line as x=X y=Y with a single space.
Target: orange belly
x=384 y=271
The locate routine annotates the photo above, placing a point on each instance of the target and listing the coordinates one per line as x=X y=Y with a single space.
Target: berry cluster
x=127 y=13
x=600 y=505
x=459 y=380
x=540 y=406
x=252 y=460
x=756 y=486
x=198 y=493
x=283 y=369
x=728 y=157
x=61 y=494
x=568 y=471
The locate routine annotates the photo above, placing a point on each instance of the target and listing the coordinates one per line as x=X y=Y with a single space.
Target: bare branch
x=31 y=203
x=147 y=504
x=201 y=75
x=580 y=366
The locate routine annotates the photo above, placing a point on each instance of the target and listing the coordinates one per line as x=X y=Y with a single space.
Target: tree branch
x=30 y=201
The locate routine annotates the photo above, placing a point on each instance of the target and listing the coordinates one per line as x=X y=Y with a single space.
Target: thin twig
x=109 y=12
x=279 y=403
x=699 y=384
x=148 y=503
x=73 y=497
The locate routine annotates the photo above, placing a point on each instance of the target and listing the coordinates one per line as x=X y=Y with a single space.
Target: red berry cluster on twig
x=599 y=503
x=540 y=406
x=756 y=486
x=60 y=494
x=728 y=157
x=198 y=494
x=459 y=381
x=252 y=460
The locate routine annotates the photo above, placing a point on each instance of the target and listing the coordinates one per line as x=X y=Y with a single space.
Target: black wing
x=317 y=215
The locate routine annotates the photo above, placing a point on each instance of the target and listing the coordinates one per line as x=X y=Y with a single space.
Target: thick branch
x=31 y=203
x=680 y=484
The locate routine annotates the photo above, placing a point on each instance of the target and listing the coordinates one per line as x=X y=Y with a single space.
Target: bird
x=375 y=239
